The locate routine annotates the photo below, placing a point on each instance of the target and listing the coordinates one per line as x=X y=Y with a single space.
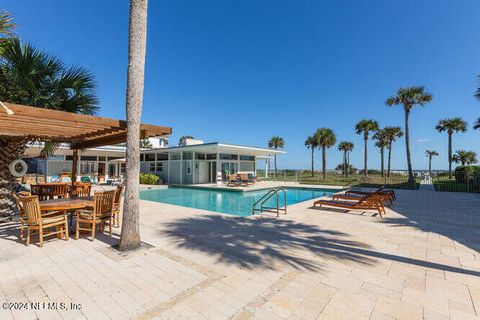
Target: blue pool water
x=237 y=203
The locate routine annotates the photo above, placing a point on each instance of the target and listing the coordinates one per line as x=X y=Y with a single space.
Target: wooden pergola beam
x=81 y=131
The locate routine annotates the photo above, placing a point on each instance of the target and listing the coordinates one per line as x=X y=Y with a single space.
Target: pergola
x=80 y=131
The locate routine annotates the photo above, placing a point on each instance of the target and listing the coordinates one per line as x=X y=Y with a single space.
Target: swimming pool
x=232 y=202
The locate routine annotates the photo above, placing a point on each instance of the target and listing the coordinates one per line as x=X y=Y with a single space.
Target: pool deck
x=422 y=261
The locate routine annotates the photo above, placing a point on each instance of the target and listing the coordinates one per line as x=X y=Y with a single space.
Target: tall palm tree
x=137 y=47
x=183 y=140
x=364 y=127
x=34 y=78
x=6 y=27
x=391 y=134
x=476 y=125
x=276 y=143
x=326 y=138
x=381 y=143
x=312 y=143
x=408 y=98
x=430 y=154
x=346 y=147
x=450 y=126
x=465 y=157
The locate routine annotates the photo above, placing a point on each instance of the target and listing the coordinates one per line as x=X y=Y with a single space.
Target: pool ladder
x=266 y=197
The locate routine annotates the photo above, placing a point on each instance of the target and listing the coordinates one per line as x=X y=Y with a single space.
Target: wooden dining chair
x=116 y=206
x=36 y=222
x=21 y=210
x=101 y=214
x=80 y=190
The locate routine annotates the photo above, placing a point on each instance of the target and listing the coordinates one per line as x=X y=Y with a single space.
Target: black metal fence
x=398 y=180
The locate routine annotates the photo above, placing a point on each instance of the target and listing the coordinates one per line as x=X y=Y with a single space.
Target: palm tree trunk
x=313 y=158
x=275 y=162
x=344 y=163
x=449 y=155
x=10 y=149
x=430 y=165
x=324 y=162
x=348 y=162
x=411 y=178
x=382 y=150
x=365 y=157
x=137 y=43
x=389 y=160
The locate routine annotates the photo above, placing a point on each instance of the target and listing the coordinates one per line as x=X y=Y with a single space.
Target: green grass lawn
x=372 y=181
x=452 y=185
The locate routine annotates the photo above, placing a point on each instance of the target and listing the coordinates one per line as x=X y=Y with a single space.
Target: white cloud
x=422 y=140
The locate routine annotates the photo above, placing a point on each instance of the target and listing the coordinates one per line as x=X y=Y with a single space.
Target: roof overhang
x=216 y=147
x=81 y=131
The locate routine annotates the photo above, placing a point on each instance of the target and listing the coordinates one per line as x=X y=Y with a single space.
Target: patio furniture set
x=241 y=179
x=48 y=206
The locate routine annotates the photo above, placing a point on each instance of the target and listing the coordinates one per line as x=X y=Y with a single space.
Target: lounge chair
x=233 y=181
x=380 y=191
x=368 y=202
x=245 y=179
x=384 y=197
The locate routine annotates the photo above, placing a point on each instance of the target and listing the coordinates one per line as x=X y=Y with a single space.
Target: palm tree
x=450 y=126
x=6 y=27
x=465 y=157
x=381 y=143
x=430 y=154
x=391 y=134
x=183 y=140
x=365 y=127
x=145 y=144
x=137 y=46
x=346 y=147
x=276 y=143
x=408 y=98
x=476 y=125
x=326 y=138
x=34 y=78
x=312 y=143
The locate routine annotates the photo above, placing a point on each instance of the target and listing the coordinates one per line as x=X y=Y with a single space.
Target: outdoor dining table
x=66 y=204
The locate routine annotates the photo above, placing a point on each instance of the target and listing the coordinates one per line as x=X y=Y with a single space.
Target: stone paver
x=421 y=261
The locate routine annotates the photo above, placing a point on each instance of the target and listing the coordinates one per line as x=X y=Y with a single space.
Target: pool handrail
x=266 y=197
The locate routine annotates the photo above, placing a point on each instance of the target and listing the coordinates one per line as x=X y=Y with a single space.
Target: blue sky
x=243 y=71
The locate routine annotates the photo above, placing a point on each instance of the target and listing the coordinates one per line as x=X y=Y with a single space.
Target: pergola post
x=74 y=166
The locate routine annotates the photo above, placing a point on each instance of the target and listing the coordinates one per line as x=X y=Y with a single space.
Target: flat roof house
x=202 y=162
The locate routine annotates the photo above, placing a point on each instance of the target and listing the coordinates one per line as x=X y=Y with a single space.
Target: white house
x=200 y=162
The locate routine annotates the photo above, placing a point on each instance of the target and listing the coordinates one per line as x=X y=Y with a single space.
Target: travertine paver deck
x=421 y=261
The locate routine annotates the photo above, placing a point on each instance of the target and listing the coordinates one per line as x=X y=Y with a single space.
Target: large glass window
x=56 y=157
x=159 y=166
x=162 y=156
x=187 y=156
x=152 y=167
x=226 y=156
x=199 y=156
x=88 y=158
x=229 y=168
x=150 y=157
x=211 y=156
x=174 y=156
x=247 y=158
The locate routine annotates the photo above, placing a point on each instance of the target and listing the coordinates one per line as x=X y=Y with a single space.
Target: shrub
x=462 y=172
x=148 y=178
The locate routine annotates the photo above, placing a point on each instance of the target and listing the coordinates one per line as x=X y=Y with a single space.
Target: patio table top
x=66 y=204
